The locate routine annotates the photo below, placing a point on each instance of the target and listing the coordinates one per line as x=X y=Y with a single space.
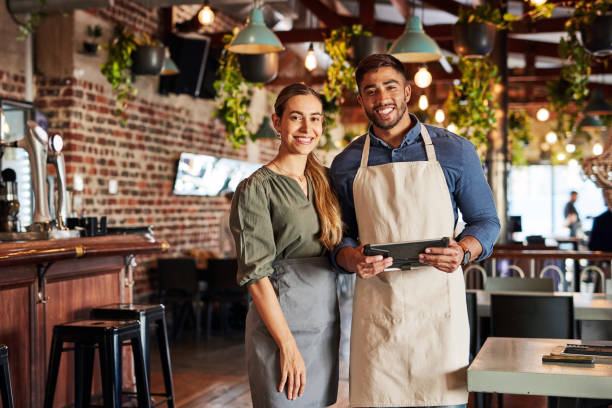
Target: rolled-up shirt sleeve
x=343 y=185
x=475 y=201
x=251 y=227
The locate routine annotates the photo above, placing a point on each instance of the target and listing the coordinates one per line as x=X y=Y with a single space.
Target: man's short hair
x=573 y=192
x=376 y=61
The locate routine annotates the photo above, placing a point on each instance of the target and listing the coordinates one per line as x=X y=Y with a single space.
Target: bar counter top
x=19 y=253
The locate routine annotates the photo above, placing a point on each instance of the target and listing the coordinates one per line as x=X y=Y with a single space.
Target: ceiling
x=532 y=51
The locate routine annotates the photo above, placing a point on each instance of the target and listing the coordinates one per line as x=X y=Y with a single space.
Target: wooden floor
x=212 y=374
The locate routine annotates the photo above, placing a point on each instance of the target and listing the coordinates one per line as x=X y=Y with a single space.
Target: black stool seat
x=5 y=378
x=146 y=314
x=108 y=335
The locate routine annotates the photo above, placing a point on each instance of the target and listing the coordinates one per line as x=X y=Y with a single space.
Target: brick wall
x=140 y=154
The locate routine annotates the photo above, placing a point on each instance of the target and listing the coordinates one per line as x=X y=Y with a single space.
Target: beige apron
x=410 y=332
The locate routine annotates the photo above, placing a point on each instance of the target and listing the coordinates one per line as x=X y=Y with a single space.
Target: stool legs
x=142 y=384
x=54 y=363
x=6 y=390
x=83 y=374
x=164 y=353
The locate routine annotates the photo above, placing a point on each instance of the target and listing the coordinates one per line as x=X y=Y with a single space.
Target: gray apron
x=306 y=290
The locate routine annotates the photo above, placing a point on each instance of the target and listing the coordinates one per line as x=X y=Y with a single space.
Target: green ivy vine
x=470 y=103
x=519 y=125
x=340 y=75
x=572 y=85
x=117 y=67
x=234 y=96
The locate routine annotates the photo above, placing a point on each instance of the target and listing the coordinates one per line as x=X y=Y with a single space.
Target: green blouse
x=271 y=219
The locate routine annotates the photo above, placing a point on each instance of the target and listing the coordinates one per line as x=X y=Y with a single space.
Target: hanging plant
x=470 y=103
x=233 y=96
x=117 y=68
x=340 y=75
x=487 y=14
x=519 y=125
x=572 y=85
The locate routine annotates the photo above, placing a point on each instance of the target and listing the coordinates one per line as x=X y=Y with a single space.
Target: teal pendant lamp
x=414 y=45
x=255 y=37
x=591 y=123
x=598 y=105
x=266 y=131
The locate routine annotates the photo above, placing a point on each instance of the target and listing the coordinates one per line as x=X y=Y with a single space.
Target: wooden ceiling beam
x=403 y=8
x=450 y=6
x=366 y=13
x=325 y=14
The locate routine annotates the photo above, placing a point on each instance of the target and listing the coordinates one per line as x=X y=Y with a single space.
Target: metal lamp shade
x=255 y=37
x=170 y=67
x=364 y=46
x=597 y=104
x=590 y=123
x=259 y=67
x=414 y=45
x=266 y=131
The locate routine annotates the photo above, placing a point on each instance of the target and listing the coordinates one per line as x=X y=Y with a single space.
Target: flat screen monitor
x=203 y=175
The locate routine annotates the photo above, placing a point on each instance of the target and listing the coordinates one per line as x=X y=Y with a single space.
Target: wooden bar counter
x=43 y=283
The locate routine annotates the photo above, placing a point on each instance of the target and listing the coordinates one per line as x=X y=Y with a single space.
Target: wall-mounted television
x=203 y=175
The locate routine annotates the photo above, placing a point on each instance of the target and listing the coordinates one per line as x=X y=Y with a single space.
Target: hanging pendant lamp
x=414 y=45
x=591 y=123
x=597 y=104
x=255 y=37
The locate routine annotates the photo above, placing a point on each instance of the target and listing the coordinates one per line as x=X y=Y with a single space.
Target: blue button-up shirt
x=468 y=188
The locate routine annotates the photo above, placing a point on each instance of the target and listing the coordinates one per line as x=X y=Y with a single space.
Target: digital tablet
x=405 y=254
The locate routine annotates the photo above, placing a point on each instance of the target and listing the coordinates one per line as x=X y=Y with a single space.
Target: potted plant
x=94 y=33
x=148 y=58
x=595 y=26
x=259 y=67
x=364 y=44
x=116 y=69
x=474 y=32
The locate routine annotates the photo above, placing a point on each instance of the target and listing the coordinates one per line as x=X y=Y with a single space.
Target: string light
x=206 y=16
x=439 y=116
x=597 y=149
x=570 y=148
x=561 y=156
x=542 y=114
x=452 y=128
x=310 y=62
x=551 y=137
x=423 y=102
x=537 y=3
x=422 y=78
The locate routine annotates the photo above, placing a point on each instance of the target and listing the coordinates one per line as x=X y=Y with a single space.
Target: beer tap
x=56 y=158
x=35 y=142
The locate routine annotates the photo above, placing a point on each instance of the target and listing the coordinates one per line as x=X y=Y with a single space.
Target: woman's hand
x=293 y=371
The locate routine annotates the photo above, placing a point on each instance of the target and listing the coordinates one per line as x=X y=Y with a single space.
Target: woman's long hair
x=325 y=198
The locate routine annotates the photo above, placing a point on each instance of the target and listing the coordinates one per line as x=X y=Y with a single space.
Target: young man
x=572 y=220
x=403 y=181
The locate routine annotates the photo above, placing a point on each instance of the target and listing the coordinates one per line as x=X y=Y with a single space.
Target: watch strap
x=466 y=251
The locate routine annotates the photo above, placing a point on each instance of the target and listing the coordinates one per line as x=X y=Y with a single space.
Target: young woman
x=284 y=218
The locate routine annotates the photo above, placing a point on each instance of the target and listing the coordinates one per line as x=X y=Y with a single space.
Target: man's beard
x=372 y=116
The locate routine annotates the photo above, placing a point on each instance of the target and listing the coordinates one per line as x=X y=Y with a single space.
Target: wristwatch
x=466 y=253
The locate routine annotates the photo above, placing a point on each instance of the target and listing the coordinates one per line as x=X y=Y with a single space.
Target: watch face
x=466 y=257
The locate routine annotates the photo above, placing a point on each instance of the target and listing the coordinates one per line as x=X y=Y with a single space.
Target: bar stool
x=108 y=336
x=145 y=314
x=5 y=378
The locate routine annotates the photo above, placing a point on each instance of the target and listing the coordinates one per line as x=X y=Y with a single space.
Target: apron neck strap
x=429 y=147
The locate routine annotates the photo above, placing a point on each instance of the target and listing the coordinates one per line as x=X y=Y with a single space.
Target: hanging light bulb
x=597 y=149
x=206 y=16
x=439 y=116
x=310 y=62
x=572 y=163
x=551 y=137
x=570 y=148
x=542 y=114
x=536 y=3
x=561 y=156
x=545 y=147
x=423 y=102
x=422 y=78
x=452 y=128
